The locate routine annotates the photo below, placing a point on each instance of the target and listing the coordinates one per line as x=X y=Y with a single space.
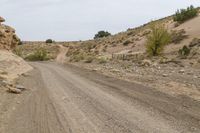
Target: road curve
x=67 y=99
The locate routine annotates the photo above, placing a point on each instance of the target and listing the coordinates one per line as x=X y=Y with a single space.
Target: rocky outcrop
x=8 y=38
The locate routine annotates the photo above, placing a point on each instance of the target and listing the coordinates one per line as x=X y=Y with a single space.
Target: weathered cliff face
x=11 y=66
x=8 y=38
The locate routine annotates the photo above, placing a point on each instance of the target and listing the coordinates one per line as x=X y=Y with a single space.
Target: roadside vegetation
x=183 y=15
x=157 y=40
x=38 y=55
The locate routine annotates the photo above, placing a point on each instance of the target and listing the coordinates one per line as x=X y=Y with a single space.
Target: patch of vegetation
x=89 y=59
x=49 y=41
x=127 y=42
x=76 y=57
x=183 y=15
x=184 y=52
x=158 y=38
x=178 y=36
x=39 y=55
x=102 y=34
x=18 y=51
x=102 y=60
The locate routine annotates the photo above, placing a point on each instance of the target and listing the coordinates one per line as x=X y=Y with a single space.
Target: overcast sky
x=81 y=19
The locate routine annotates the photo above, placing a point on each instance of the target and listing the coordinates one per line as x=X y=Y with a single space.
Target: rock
x=8 y=38
x=165 y=75
x=20 y=87
x=146 y=63
x=6 y=83
x=182 y=71
x=2 y=19
x=14 y=90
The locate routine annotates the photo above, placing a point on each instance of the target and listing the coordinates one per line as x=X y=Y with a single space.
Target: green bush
x=49 y=41
x=38 y=55
x=184 y=52
x=158 y=38
x=183 y=15
x=101 y=34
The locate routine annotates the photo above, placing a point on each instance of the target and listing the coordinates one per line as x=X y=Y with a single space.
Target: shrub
x=127 y=42
x=38 y=55
x=49 y=41
x=89 y=59
x=158 y=38
x=18 y=51
x=102 y=60
x=102 y=34
x=77 y=57
x=183 y=15
x=184 y=52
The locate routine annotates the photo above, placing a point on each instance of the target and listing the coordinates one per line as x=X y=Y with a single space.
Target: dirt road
x=67 y=99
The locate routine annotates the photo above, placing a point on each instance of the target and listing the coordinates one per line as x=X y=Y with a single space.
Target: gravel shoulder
x=69 y=99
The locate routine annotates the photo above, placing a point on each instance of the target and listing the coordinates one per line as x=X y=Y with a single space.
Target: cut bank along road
x=67 y=99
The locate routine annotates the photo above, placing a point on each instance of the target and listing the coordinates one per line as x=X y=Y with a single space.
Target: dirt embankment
x=11 y=66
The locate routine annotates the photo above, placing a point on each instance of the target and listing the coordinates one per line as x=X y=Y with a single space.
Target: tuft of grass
x=156 y=41
x=184 y=52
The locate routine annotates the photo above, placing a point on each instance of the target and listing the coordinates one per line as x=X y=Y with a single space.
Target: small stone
x=20 y=87
x=14 y=90
x=6 y=83
x=182 y=71
x=2 y=20
x=165 y=75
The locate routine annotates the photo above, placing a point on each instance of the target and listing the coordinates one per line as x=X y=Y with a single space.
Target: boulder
x=2 y=20
x=8 y=38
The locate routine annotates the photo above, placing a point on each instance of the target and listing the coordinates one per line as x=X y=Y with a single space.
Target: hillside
x=124 y=56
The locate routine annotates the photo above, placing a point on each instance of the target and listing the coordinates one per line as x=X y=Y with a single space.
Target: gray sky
x=81 y=19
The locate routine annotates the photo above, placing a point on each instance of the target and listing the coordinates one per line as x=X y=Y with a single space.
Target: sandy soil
x=75 y=100
x=62 y=54
x=12 y=65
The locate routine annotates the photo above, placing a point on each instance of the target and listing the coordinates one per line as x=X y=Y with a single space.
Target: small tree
x=158 y=38
x=49 y=41
x=101 y=34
